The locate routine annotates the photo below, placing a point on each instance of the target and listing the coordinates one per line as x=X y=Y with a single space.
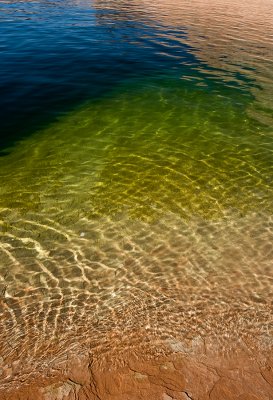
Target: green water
x=145 y=150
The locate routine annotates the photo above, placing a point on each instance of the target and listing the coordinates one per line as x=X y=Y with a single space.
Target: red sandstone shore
x=242 y=376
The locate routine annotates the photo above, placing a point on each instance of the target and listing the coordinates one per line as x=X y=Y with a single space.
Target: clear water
x=136 y=173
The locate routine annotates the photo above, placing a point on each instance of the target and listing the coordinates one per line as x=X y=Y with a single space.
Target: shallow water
x=136 y=177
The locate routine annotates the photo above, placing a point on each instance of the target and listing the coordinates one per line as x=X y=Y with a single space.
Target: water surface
x=136 y=177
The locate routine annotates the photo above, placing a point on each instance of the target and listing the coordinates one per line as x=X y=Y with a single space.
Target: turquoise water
x=136 y=178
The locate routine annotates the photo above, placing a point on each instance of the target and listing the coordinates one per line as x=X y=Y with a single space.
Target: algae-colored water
x=145 y=150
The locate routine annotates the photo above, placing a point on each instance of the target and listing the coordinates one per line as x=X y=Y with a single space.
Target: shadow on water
x=55 y=56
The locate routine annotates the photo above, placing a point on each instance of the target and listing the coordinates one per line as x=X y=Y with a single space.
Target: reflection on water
x=143 y=218
x=234 y=39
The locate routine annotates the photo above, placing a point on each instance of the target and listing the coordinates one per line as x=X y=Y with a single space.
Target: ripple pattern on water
x=142 y=220
x=113 y=232
x=106 y=284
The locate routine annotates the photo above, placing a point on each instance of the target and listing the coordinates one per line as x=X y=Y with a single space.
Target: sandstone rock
x=172 y=377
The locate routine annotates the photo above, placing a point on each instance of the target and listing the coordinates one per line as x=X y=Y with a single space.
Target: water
x=136 y=178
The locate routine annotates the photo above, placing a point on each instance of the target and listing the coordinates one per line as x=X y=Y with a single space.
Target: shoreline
x=243 y=374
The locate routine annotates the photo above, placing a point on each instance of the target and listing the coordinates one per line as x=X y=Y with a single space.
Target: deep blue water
x=55 y=55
